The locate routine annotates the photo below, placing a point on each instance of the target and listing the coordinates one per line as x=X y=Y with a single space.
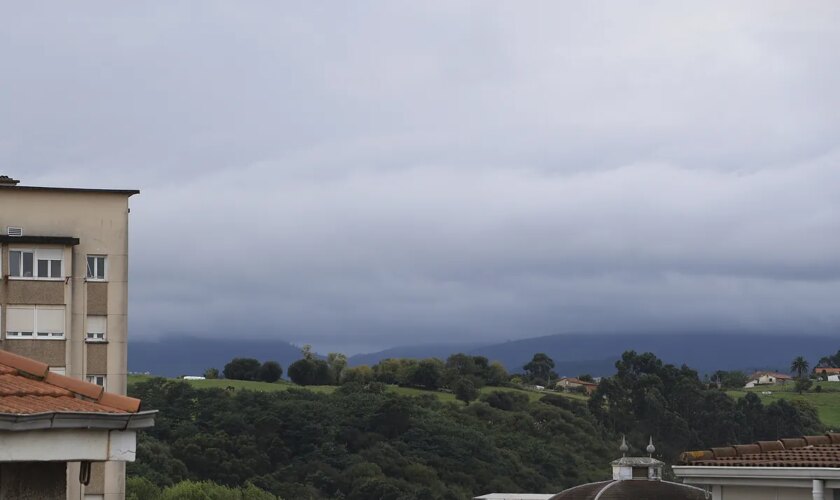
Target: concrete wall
x=766 y=493
x=33 y=481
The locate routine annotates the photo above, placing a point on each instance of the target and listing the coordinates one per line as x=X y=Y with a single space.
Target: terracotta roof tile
x=27 y=388
x=823 y=451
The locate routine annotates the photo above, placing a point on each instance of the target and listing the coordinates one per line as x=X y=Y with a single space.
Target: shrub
x=242 y=369
x=270 y=371
x=140 y=488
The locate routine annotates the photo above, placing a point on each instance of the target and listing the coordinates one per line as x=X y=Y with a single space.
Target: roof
x=772 y=374
x=828 y=369
x=632 y=489
x=15 y=187
x=32 y=397
x=805 y=451
x=576 y=381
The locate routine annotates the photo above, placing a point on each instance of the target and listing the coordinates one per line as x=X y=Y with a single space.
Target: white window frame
x=35 y=334
x=95 y=270
x=35 y=258
x=95 y=379
x=94 y=337
x=59 y=370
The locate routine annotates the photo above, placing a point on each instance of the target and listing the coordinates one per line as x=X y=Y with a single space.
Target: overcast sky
x=358 y=175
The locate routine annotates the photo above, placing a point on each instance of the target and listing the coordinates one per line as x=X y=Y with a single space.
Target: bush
x=506 y=400
x=242 y=369
x=140 y=488
x=208 y=490
x=310 y=372
x=359 y=374
x=270 y=371
x=465 y=390
x=211 y=373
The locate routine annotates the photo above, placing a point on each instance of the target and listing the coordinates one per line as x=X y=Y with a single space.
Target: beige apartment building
x=64 y=293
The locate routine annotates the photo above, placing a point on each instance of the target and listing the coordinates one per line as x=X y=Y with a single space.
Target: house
x=767 y=378
x=64 y=289
x=570 y=383
x=826 y=372
x=54 y=429
x=806 y=467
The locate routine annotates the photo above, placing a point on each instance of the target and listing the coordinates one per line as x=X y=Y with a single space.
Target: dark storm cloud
x=364 y=174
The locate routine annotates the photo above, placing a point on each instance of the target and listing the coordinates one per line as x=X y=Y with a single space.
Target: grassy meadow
x=284 y=385
x=827 y=402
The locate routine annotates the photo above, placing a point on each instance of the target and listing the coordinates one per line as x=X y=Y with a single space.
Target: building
x=64 y=290
x=767 y=378
x=570 y=383
x=803 y=468
x=48 y=421
x=633 y=478
x=826 y=371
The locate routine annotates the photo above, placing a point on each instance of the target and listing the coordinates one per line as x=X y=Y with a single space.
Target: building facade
x=64 y=292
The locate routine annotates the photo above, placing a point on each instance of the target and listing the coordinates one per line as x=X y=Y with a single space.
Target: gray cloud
x=366 y=174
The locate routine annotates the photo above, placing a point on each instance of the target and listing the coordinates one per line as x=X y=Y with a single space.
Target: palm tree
x=799 y=365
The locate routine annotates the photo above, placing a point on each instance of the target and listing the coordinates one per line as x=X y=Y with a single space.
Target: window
x=60 y=370
x=96 y=267
x=96 y=326
x=43 y=263
x=97 y=379
x=35 y=322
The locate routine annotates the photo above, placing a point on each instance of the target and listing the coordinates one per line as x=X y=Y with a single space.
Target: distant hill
x=596 y=353
x=184 y=355
x=574 y=354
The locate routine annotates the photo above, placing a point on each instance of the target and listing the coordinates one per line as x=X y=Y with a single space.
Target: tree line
x=365 y=441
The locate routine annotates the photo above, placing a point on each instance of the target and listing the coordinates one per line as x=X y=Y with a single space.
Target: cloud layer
x=368 y=174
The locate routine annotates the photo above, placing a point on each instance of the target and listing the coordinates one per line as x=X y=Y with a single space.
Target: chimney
x=5 y=180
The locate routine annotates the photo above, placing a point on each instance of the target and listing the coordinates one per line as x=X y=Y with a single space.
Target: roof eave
x=77 y=420
x=126 y=192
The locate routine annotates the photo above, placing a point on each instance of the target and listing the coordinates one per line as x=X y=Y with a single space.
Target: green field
x=285 y=385
x=826 y=402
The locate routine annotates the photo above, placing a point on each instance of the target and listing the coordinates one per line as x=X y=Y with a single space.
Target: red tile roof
x=27 y=387
x=827 y=370
x=805 y=451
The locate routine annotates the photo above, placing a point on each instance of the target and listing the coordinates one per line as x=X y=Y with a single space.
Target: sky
x=360 y=175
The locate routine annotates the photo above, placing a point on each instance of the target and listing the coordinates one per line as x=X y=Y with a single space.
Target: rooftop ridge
x=822 y=447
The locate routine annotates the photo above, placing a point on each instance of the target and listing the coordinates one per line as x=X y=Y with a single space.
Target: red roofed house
x=48 y=421
x=569 y=383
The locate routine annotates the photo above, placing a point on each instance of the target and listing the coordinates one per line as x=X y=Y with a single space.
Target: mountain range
x=573 y=353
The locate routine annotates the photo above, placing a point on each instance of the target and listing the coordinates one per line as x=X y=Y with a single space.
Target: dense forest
x=364 y=441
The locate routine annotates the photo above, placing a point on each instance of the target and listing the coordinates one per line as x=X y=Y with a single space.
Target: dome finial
x=650 y=447
x=623 y=448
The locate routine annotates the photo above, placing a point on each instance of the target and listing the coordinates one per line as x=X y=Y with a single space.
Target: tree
x=242 y=369
x=799 y=365
x=270 y=371
x=802 y=385
x=310 y=372
x=306 y=352
x=465 y=391
x=586 y=378
x=211 y=373
x=539 y=368
x=337 y=363
x=359 y=374
x=428 y=374
x=496 y=374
